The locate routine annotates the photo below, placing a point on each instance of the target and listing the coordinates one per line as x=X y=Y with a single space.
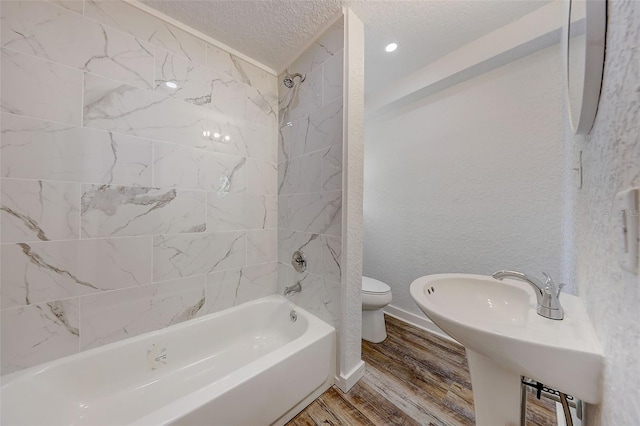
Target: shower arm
x=289 y=82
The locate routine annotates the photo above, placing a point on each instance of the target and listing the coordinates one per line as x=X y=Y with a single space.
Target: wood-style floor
x=412 y=378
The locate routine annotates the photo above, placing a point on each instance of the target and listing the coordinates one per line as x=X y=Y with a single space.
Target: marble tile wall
x=310 y=176
x=127 y=205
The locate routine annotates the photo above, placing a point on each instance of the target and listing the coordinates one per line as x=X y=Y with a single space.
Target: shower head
x=288 y=79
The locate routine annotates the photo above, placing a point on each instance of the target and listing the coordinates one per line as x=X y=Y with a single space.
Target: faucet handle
x=552 y=286
x=549 y=283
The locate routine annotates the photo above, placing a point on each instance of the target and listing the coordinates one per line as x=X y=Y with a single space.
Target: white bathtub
x=250 y=365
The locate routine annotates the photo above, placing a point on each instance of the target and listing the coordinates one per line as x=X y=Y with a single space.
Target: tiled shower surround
x=128 y=205
x=310 y=175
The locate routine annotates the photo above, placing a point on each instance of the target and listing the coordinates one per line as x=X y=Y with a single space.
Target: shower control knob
x=299 y=261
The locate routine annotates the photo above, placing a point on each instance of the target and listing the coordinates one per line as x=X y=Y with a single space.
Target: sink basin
x=497 y=323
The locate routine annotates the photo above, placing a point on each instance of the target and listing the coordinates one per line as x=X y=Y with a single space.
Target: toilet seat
x=373 y=286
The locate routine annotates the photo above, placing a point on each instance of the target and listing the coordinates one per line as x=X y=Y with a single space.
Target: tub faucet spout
x=297 y=288
x=547 y=293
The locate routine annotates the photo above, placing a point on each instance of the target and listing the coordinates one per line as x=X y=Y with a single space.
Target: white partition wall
x=320 y=183
x=351 y=364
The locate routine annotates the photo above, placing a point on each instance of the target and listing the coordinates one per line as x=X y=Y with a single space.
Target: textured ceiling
x=269 y=31
x=274 y=31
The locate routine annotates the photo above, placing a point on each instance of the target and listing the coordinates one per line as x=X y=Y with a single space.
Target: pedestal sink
x=504 y=337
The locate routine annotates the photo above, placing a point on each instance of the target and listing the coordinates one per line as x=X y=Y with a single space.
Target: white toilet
x=375 y=296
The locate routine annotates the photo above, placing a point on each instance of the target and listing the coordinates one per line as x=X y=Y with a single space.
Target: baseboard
x=346 y=382
x=421 y=322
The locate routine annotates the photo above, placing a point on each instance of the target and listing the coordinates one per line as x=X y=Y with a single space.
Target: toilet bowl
x=375 y=296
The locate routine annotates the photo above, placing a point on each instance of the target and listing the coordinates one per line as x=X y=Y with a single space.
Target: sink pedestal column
x=496 y=392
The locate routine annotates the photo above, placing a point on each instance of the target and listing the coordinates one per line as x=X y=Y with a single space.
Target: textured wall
x=468 y=180
x=611 y=159
x=118 y=215
x=310 y=175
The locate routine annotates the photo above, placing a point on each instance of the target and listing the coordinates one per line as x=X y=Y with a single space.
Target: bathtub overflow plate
x=293 y=316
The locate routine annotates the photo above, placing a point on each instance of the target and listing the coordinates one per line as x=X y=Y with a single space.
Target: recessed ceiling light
x=391 y=47
x=171 y=84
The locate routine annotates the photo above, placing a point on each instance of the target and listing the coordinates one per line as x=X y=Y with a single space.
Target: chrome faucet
x=297 y=288
x=547 y=294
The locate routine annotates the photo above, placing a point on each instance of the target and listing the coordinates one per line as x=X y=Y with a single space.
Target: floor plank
x=379 y=410
x=303 y=419
x=333 y=410
x=412 y=378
